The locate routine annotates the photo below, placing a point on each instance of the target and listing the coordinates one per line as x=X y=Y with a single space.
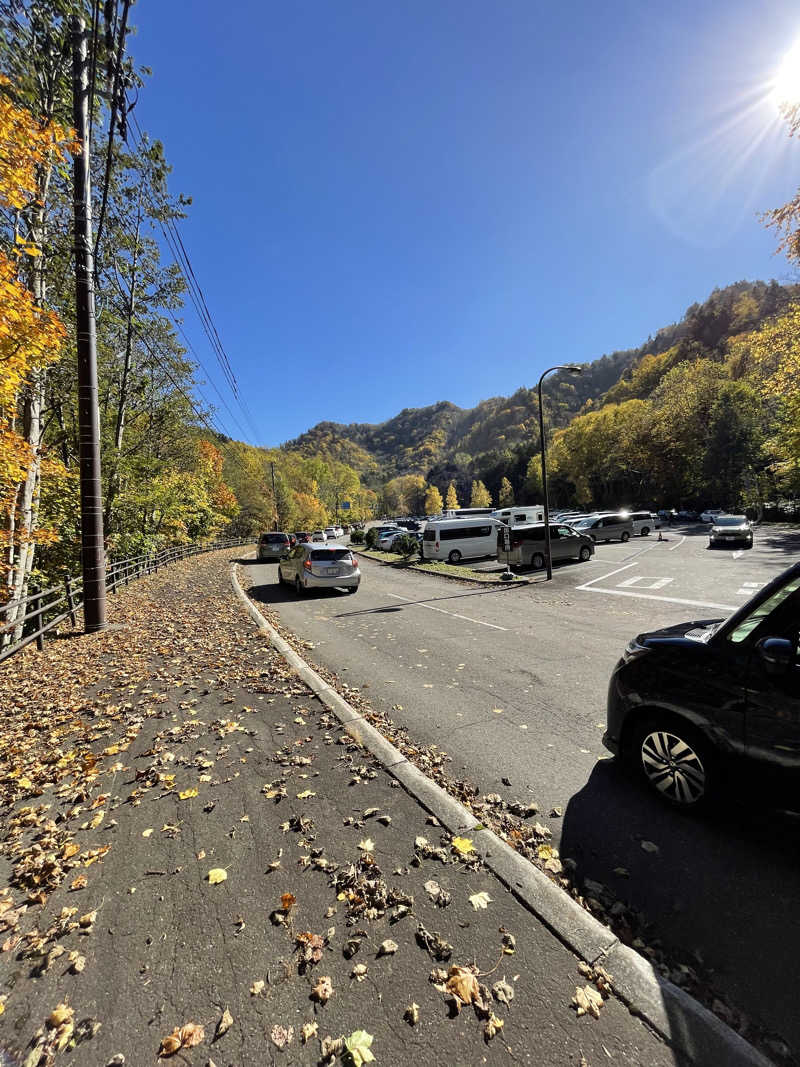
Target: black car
x=692 y=703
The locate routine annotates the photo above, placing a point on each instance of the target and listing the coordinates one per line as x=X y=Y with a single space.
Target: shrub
x=372 y=537
x=356 y=537
x=406 y=546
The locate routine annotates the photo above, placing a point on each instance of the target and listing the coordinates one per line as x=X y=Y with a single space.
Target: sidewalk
x=141 y=761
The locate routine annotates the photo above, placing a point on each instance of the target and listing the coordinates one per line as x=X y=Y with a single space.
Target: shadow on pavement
x=720 y=890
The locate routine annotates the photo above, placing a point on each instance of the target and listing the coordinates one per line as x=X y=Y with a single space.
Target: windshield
x=730 y=520
x=765 y=608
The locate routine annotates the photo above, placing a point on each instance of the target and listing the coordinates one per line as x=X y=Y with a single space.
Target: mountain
x=442 y=435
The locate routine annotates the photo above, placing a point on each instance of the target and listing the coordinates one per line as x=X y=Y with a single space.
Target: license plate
x=332 y=572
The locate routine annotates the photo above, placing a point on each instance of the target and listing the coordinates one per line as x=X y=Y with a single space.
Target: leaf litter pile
x=200 y=866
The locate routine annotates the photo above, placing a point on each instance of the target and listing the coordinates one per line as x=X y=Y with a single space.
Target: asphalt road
x=512 y=683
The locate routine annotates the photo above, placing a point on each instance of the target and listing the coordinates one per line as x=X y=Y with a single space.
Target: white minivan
x=457 y=539
x=522 y=515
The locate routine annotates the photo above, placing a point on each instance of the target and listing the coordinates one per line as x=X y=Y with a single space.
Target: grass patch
x=447 y=570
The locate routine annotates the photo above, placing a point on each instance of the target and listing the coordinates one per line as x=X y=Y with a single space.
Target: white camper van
x=457 y=539
x=522 y=515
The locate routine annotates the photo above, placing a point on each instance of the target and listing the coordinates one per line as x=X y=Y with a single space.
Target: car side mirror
x=777 y=654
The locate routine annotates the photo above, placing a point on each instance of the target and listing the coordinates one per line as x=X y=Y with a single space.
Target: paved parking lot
x=512 y=684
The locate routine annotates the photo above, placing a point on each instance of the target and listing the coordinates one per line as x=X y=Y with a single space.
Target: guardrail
x=46 y=608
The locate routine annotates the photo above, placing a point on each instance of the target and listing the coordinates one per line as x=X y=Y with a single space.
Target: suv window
x=564 y=531
x=274 y=538
x=461 y=532
x=757 y=615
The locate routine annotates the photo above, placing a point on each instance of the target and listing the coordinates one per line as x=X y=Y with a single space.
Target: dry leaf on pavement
x=463 y=845
x=587 y=1001
x=281 y=1036
x=359 y=1044
x=224 y=1024
x=323 y=990
x=388 y=948
x=257 y=987
x=480 y=900
x=216 y=875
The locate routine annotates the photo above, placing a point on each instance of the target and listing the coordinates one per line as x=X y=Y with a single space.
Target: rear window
x=274 y=538
x=332 y=557
x=429 y=534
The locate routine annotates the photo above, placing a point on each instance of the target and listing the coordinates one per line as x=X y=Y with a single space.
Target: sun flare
x=785 y=91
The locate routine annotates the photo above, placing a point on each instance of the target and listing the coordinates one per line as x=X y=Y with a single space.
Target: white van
x=457 y=539
x=524 y=514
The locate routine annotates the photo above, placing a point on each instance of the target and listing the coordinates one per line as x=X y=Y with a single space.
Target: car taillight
x=306 y=564
x=437 y=546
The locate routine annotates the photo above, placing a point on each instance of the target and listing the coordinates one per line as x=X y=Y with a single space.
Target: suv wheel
x=537 y=561
x=674 y=761
x=645 y=531
x=625 y=536
x=585 y=554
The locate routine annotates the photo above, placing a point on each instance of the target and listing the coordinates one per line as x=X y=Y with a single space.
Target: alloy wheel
x=673 y=767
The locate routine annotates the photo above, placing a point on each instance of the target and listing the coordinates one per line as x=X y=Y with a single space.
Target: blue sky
x=396 y=204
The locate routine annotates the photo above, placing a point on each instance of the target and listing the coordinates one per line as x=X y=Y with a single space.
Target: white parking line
x=668 y=599
x=678 y=545
x=604 y=576
x=748 y=588
x=654 y=583
x=430 y=607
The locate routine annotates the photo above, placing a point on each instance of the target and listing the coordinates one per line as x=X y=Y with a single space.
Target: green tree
x=506 y=499
x=433 y=501
x=734 y=444
x=481 y=498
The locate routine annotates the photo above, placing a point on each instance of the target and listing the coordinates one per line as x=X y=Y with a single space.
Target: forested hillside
x=707 y=423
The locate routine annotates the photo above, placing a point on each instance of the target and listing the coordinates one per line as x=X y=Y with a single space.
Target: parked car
x=643 y=522
x=457 y=539
x=319 y=536
x=692 y=701
x=386 y=542
x=330 y=533
x=521 y=515
x=606 y=527
x=302 y=536
x=273 y=545
x=731 y=530
x=526 y=545
x=710 y=516
x=314 y=567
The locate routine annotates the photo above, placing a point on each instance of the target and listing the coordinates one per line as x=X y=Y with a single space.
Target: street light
x=572 y=370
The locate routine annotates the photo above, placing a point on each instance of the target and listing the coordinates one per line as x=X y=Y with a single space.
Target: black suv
x=691 y=701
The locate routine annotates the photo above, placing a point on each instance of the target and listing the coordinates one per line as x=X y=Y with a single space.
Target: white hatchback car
x=319 y=536
x=311 y=566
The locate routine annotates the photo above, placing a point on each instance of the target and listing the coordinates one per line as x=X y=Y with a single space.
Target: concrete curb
x=694 y=1032
x=516 y=584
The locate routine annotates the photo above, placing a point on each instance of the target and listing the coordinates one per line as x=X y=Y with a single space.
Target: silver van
x=644 y=522
x=524 y=546
x=608 y=527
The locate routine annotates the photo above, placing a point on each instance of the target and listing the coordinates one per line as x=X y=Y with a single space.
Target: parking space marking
x=748 y=588
x=678 y=545
x=639 y=581
x=667 y=599
x=602 y=577
x=452 y=614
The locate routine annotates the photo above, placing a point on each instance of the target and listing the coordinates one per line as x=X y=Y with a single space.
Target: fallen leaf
x=587 y=1001
x=463 y=845
x=169 y=1045
x=359 y=972
x=463 y=983
x=650 y=846
x=304 y=795
x=191 y=1034
x=492 y=1026
x=309 y=1030
x=503 y=992
x=281 y=1036
x=224 y=1024
x=79 y=883
x=146 y=833
x=322 y=990
x=216 y=875
x=187 y=793
x=257 y=987
x=388 y=948
x=497 y=711
x=480 y=900
x=367 y=845
x=61 y=1014
x=358 y=1044
x=411 y=1014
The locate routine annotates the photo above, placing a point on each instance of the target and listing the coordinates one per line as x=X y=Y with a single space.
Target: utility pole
x=275 y=499
x=92 y=542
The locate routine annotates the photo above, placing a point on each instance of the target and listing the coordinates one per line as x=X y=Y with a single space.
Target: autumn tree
x=451 y=500
x=506 y=498
x=481 y=497
x=433 y=501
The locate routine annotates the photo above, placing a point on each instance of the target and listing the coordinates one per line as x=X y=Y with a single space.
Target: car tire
x=585 y=554
x=537 y=561
x=352 y=589
x=674 y=761
x=454 y=557
x=281 y=579
x=645 y=531
x=298 y=586
x=624 y=536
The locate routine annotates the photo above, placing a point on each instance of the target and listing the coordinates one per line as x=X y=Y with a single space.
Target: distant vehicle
x=303 y=537
x=386 y=528
x=524 y=514
x=731 y=530
x=689 y=701
x=311 y=567
x=643 y=522
x=608 y=527
x=273 y=545
x=688 y=516
x=457 y=539
x=526 y=545
x=710 y=516
x=387 y=540
x=464 y=513
x=330 y=533
x=319 y=535
x=408 y=524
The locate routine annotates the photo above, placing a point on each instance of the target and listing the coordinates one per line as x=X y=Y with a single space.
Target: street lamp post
x=572 y=370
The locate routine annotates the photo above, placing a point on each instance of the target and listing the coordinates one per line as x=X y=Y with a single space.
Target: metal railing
x=44 y=609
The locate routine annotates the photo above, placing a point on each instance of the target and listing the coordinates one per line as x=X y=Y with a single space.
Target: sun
x=785 y=89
